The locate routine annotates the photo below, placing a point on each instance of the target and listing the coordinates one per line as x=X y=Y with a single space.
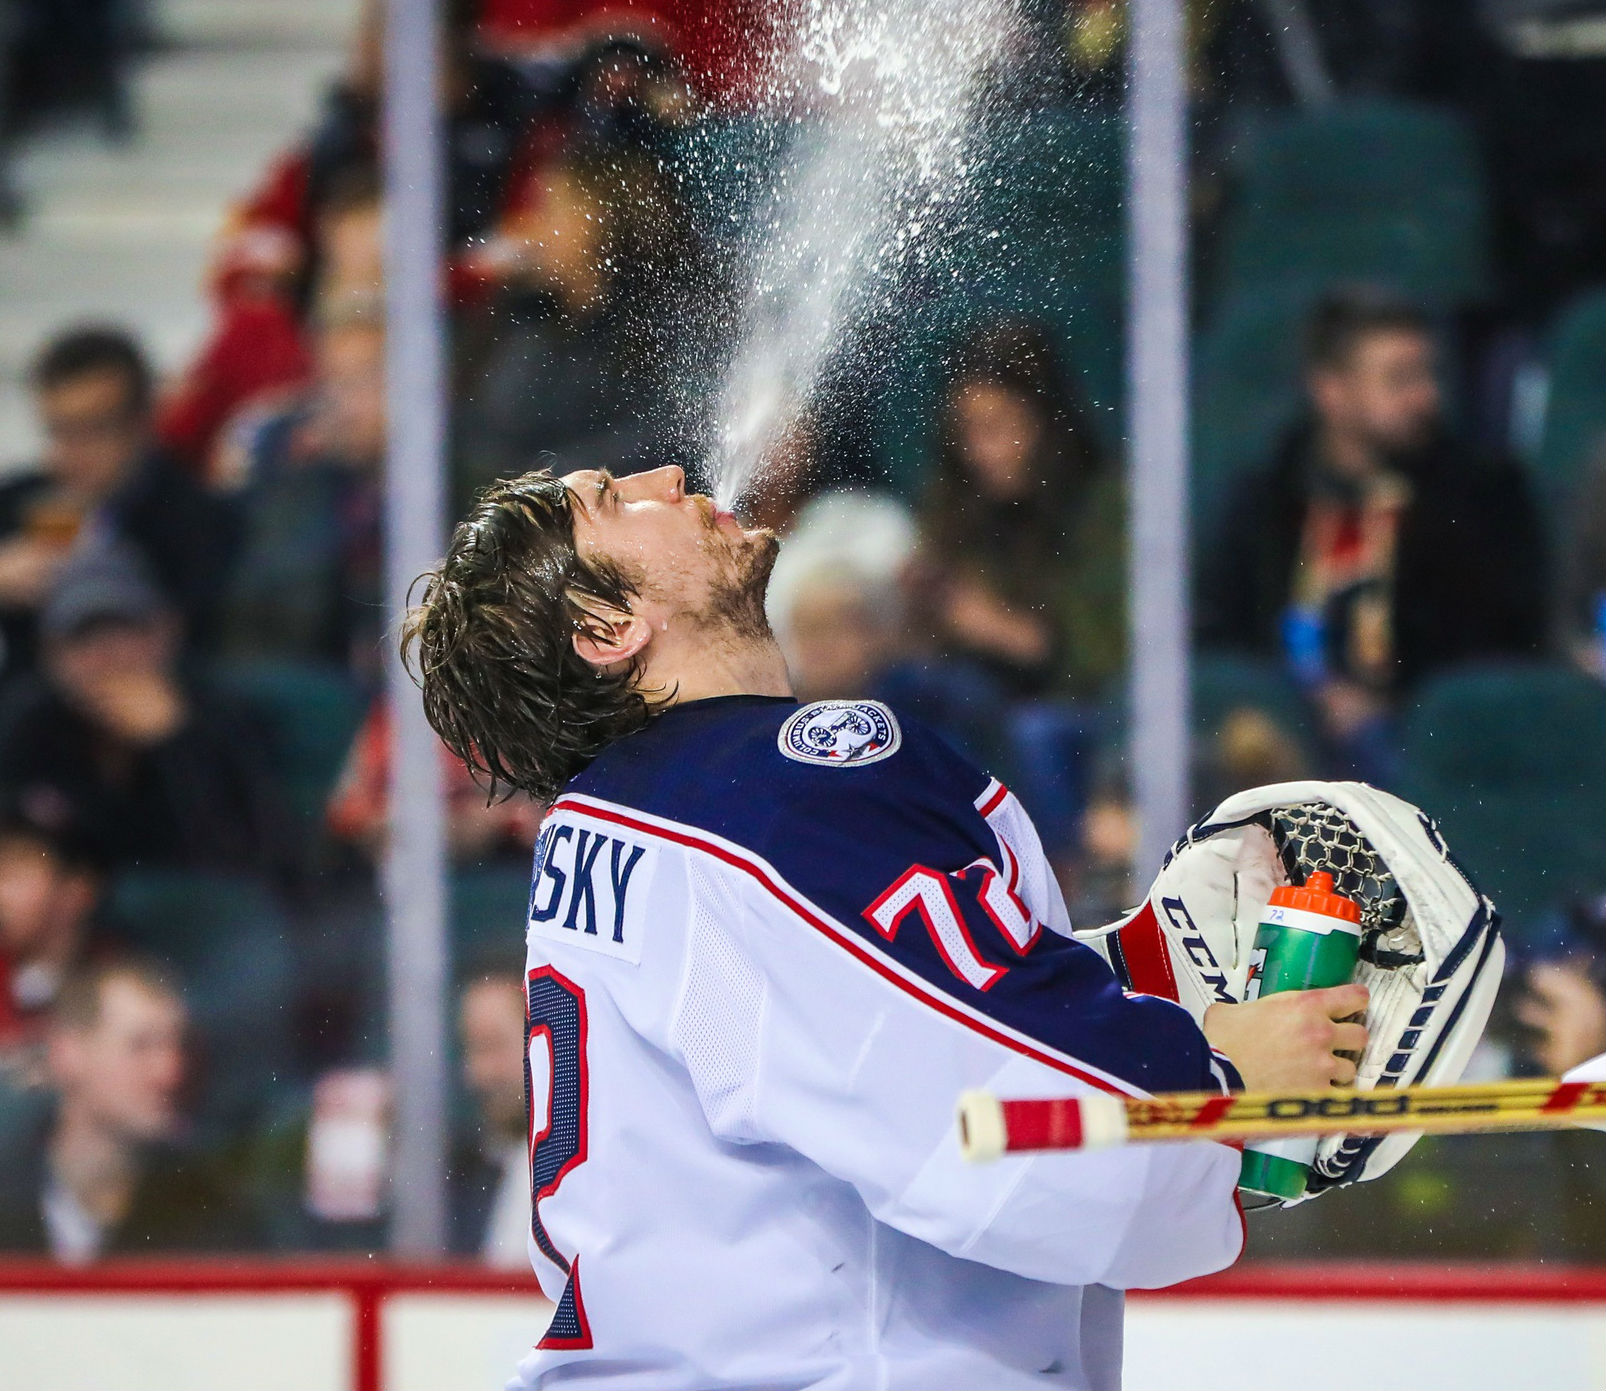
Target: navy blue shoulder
x=748 y=767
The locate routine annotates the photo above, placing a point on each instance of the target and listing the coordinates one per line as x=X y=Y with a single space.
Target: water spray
x=891 y=90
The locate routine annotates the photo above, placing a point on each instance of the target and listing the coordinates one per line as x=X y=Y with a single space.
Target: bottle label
x=1305 y=921
x=1257 y=973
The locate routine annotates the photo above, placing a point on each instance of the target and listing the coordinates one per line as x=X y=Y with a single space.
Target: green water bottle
x=1309 y=939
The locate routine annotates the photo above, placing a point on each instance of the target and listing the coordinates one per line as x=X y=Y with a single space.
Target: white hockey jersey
x=769 y=945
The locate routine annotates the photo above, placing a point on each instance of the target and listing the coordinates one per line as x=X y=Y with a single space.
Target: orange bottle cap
x=1316 y=895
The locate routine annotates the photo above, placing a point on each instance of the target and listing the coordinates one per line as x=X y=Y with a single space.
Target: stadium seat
x=229 y=940
x=488 y=908
x=1376 y=191
x=1511 y=760
x=1575 y=414
x=1223 y=682
x=1246 y=390
x=312 y=714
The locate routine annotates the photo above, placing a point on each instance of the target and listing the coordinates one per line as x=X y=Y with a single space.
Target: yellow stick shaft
x=990 y=1127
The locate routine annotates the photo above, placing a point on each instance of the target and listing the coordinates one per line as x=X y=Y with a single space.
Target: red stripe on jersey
x=992 y=800
x=845 y=939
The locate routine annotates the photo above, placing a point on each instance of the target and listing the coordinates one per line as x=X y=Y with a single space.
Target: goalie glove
x=1431 y=953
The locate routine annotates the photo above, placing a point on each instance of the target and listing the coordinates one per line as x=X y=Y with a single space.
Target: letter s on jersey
x=589 y=889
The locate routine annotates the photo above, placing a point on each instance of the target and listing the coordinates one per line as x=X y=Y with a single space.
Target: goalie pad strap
x=1142 y=959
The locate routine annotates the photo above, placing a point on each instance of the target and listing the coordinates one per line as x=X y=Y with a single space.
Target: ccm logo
x=1193 y=943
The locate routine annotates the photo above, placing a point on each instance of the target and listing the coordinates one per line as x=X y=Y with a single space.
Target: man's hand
x=973 y=613
x=1568 y=1011
x=1291 y=1041
x=27 y=566
x=144 y=708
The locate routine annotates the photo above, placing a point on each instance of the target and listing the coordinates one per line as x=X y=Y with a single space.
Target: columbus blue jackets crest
x=841 y=731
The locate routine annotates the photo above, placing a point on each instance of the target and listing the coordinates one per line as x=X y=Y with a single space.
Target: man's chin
x=738 y=605
x=765 y=546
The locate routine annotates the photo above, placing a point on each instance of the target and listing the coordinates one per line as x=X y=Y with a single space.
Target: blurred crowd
x=1399 y=521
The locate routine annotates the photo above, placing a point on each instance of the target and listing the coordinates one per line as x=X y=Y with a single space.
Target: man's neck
x=97 y=1168
x=721 y=666
x=1344 y=454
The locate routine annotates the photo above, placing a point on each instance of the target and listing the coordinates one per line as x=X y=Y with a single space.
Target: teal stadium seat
x=1040 y=237
x=1383 y=192
x=1511 y=761
x=312 y=713
x=1246 y=391
x=1575 y=413
x=488 y=907
x=1223 y=682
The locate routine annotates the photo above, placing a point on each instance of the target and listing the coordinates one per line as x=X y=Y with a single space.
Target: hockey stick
x=989 y=1127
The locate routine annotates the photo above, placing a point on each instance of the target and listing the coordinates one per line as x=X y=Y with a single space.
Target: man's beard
x=736 y=604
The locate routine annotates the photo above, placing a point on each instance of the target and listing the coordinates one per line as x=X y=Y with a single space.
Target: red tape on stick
x=1055 y=1124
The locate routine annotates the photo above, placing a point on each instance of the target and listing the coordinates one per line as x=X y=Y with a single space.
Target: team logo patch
x=841 y=731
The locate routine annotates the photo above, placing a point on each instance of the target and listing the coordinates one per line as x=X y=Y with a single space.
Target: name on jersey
x=590 y=889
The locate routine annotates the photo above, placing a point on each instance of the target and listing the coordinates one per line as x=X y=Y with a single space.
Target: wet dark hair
x=1341 y=318
x=82 y=351
x=491 y=643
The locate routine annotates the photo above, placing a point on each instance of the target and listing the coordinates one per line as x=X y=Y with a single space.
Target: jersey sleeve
x=901 y=958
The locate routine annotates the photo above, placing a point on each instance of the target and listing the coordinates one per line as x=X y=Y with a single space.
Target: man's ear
x=607 y=636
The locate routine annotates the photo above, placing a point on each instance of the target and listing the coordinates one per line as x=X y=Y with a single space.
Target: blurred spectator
x=841 y=631
x=107 y=1172
x=163 y=772
x=103 y=477
x=318 y=1170
x=52 y=878
x=721 y=44
x=1563 y=999
x=834 y=597
x=1565 y=1005
x=1581 y=596
x=564 y=360
x=74 y=55
x=258 y=352
x=1021 y=574
x=1374 y=547
x=350 y=238
x=838 y=605
x=308 y=583
x=359 y=810
x=1023 y=531
x=626 y=96
x=489 y=111
x=490 y=1176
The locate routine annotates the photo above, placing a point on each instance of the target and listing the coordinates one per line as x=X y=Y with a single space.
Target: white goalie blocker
x=1431 y=953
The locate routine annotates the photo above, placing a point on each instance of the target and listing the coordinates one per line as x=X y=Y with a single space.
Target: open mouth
x=715 y=516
